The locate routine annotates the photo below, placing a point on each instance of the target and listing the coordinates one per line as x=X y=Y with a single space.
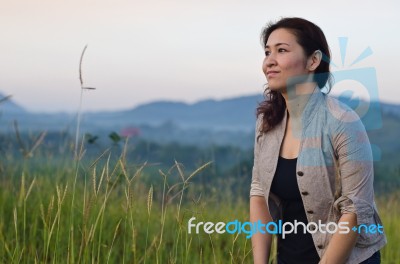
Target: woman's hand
x=341 y=245
x=261 y=243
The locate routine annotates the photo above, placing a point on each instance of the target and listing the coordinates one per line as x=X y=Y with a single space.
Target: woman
x=312 y=158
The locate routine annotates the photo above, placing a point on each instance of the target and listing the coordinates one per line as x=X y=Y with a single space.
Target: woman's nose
x=270 y=60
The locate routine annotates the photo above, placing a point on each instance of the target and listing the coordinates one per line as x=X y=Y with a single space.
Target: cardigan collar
x=307 y=105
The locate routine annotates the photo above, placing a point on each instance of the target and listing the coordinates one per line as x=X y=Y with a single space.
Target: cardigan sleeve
x=355 y=161
x=255 y=187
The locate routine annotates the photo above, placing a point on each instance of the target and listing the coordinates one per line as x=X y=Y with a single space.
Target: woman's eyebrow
x=278 y=44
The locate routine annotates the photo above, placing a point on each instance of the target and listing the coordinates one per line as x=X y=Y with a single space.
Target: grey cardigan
x=334 y=171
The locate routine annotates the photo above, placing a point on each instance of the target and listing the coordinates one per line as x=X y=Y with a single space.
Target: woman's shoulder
x=259 y=124
x=341 y=112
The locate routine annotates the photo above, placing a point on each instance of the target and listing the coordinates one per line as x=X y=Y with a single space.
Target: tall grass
x=106 y=210
x=389 y=210
x=111 y=216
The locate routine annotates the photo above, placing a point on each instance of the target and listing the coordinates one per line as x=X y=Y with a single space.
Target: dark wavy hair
x=311 y=38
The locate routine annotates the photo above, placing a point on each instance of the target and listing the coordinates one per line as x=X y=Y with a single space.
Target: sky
x=142 y=51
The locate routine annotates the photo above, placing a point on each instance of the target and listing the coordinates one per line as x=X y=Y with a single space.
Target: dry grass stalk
x=43 y=215
x=99 y=157
x=101 y=180
x=149 y=200
x=94 y=181
x=22 y=190
x=50 y=209
x=28 y=152
x=112 y=243
x=29 y=189
x=78 y=122
x=180 y=171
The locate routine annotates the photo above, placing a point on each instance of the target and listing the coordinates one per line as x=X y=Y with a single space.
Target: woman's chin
x=276 y=88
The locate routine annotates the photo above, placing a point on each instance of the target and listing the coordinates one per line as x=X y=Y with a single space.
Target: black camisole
x=294 y=248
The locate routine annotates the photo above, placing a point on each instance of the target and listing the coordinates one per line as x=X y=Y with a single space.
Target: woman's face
x=284 y=59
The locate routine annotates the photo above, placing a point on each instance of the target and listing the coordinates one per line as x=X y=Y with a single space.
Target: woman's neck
x=296 y=98
x=296 y=101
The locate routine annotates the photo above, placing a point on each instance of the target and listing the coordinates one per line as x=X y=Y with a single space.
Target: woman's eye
x=282 y=50
x=267 y=52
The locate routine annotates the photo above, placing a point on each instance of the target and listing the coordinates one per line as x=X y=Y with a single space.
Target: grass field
x=106 y=211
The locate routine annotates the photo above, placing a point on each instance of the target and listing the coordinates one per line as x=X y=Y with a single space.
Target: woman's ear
x=314 y=60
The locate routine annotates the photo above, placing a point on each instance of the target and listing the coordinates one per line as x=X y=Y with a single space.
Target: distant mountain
x=27 y=121
x=232 y=114
x=221 y=122
x=7 y=106
x=235 y=114
x=391 y=109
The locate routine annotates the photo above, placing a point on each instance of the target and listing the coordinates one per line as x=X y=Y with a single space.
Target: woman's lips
x=272 y=73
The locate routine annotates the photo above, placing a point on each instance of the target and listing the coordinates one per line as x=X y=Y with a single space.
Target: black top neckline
x=287 y=158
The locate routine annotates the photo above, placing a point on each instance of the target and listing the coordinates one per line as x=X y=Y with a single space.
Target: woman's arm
x=261 y=242
x=341 y=245
x=355 y=165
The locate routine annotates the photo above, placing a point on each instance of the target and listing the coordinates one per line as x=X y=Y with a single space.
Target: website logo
x=279 y=227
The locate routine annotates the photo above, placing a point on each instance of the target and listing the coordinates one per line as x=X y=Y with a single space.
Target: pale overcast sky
x=141 y=51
